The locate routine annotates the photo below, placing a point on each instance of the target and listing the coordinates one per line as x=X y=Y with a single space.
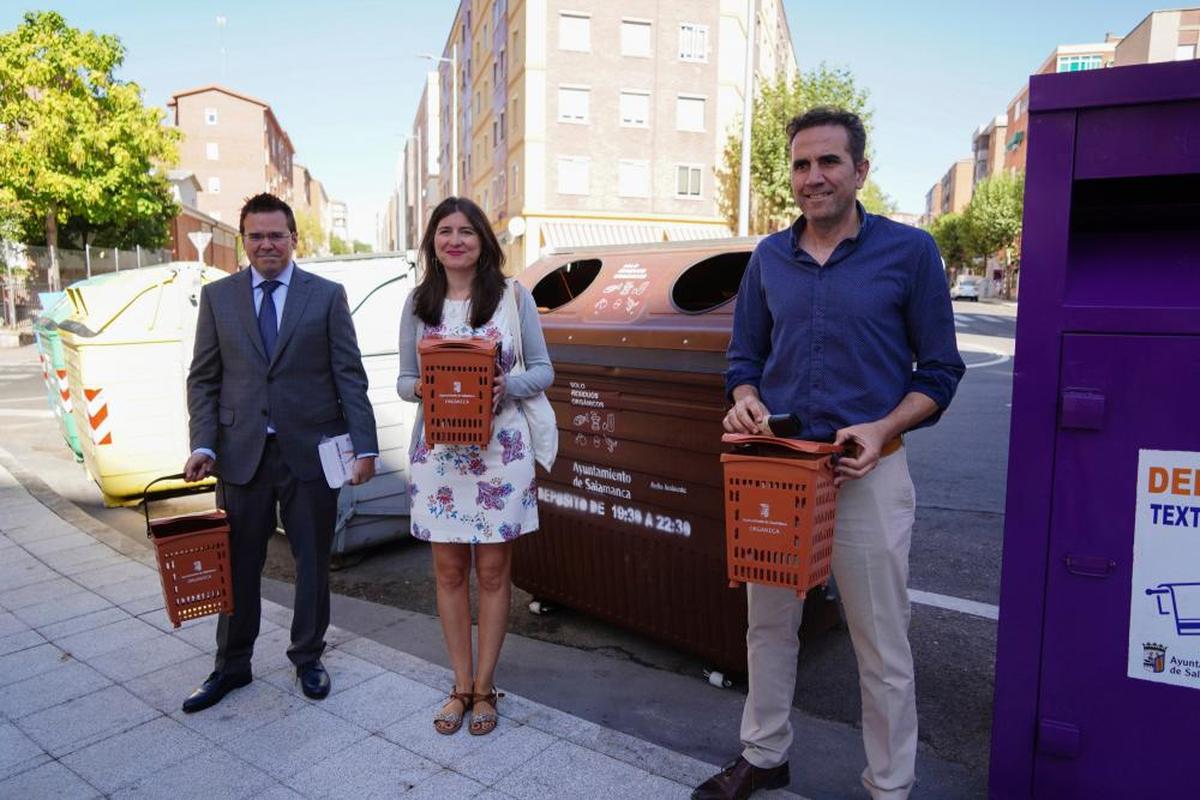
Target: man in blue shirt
x=845 y=320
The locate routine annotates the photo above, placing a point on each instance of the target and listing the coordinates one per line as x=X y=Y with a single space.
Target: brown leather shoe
x=741 y=779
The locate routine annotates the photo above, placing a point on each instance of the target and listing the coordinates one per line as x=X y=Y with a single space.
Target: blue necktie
x=268 y=325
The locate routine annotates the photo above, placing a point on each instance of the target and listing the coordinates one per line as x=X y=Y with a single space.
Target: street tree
x=950 y=233
x=338 y=246
x=771 y=203
x=362 y=247
x=310 y=237
x=993 y=217
x=78 y=150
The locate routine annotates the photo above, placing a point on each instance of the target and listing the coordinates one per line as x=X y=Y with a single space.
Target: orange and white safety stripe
x=64 y=391
x=97 y=413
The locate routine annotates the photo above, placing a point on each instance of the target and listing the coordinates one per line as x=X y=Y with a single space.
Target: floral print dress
x=466 y=494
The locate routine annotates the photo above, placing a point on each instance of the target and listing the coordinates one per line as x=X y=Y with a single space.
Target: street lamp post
x=453 y=62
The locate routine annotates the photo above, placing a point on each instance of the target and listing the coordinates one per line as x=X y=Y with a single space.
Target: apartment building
x=234 y=145
x=988 y=145
x=1065 y=58
x=422 y=162
x=1172 y=35
x=595 y=121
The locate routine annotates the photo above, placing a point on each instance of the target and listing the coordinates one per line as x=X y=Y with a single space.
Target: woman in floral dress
x=471 y=499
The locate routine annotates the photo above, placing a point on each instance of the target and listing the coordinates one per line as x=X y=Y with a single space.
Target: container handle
x=797 y=445
x=176 y=493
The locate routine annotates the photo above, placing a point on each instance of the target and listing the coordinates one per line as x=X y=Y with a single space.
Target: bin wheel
x=717 y=678
x=538 y=607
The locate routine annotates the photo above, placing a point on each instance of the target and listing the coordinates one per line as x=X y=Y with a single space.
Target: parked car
x=966 y=287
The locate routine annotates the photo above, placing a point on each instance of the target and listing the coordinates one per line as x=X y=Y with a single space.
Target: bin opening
x=192 y=523
x=709 y=283
x=565 y=283
x=1148 y=203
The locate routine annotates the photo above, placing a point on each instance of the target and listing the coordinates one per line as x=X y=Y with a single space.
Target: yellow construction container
x=127 y=347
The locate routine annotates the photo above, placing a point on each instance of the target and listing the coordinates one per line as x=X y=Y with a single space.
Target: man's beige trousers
x=870 y=565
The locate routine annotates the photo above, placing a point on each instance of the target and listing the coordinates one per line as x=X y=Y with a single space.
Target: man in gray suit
x=276 y=368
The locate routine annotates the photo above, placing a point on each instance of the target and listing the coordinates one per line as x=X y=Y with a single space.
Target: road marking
x=972 y=607
x=1000 y=358
x=26 y=412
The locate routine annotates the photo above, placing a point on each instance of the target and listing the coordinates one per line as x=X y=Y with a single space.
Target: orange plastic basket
x=456 y=390
x=780 y=509
x=193 y=561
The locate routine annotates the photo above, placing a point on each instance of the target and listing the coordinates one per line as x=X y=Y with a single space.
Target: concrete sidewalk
x=92 y=675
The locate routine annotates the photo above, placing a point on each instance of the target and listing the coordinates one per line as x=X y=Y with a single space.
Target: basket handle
x=798 y=445
x=176 y=493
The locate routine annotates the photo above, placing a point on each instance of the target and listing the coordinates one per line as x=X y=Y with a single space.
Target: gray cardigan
x=537 y=377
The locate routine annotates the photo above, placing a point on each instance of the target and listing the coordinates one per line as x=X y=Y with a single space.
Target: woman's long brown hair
x=488 y=285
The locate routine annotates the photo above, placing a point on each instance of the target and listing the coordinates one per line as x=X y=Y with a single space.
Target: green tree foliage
x=772 y=205
x=950 y=233
x=993 y=217
x=310 y=237
x=362 y=247
x=79 y=153
x=338 y=246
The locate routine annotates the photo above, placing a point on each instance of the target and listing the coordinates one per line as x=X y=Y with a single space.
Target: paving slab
x=22 y=640
x=208 y=775
x=158 y=744
x=142 y=657
x=47 y=689
x=78 y=603
x=117 y=636
x=49 y=780
x=17 y=752
x=23 y=664
x=295 y=742
x=80 y=722
x=106 y=615
x=371 y=769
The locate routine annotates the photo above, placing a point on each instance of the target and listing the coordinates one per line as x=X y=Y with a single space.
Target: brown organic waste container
x=632 y=517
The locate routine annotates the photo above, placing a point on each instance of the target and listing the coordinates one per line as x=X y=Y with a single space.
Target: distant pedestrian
x=844 y=319
x=276 y=368
x=465 y=497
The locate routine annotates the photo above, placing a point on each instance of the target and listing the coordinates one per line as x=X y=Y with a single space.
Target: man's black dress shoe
x=741 y=779
x=314 y=680
x=214 y=689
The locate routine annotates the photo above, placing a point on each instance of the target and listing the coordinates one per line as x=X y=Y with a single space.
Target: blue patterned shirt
x=843 y=343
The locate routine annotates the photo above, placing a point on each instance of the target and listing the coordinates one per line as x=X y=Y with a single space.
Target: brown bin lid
x=670 y=296
x=475 y=344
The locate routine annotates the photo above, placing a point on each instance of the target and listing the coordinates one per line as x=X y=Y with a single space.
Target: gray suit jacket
x=314 y=386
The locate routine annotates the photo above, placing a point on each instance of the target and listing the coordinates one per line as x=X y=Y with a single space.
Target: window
x=516 y=174
x=214 y=185
x=495 y=131
x=633 y=178
x=503 y=126
x=1185 y=52
x=573 y=104
x=693 y=42
x=635 y=108
x=689 y=113
x=210 y=116
x=1079 y=63
x=573 y=174
x=212 y=151
x=687 y=180
x=635 y=38
x=574 y=32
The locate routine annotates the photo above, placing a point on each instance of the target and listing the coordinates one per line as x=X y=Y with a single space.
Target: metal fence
x=26 y=272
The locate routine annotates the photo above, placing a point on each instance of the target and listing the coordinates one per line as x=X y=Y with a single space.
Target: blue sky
x=344 y=81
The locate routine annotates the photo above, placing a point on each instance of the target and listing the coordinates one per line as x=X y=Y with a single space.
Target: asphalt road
x=959 y=469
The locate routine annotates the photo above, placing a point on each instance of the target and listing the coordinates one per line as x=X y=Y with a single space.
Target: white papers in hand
x=337 y=459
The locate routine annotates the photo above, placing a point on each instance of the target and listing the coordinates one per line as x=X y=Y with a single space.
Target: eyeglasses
x=274 y=237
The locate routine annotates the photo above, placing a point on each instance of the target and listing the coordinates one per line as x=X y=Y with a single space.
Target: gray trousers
x=308 y=510
x=870 y=564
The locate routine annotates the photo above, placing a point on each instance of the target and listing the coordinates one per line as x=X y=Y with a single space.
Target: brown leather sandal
x=485 y=722
x=448 y=722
